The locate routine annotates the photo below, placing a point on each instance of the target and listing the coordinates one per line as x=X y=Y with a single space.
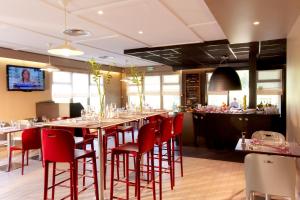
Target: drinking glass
x=2 y=124
x=44 y=118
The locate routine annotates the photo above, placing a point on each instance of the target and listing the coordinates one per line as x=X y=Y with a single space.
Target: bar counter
x=223 y=130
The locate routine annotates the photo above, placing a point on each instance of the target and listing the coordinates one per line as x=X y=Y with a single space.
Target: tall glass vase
x=141 y=102
x=101 y=106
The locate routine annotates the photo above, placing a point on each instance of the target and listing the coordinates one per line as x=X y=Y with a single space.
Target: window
x=75 y=87
x=160 y=91
x=217 y=98
x=152 y=91
x=80 y=88
x=171 y=91
x=133 y=95
x=269 y=87
x=62 y=87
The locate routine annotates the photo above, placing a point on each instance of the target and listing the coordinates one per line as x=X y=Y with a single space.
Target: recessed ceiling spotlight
x=140 y=32
x=100 y=12
x=256 y=23
x=111 y=57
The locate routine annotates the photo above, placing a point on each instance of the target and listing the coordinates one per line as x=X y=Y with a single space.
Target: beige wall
x=293 y=83
x=19 y=105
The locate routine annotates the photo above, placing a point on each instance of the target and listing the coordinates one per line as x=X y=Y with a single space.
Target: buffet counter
x=223 y=129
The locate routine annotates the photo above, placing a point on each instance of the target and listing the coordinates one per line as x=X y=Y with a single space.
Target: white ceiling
x=32 y=24
x=236 y=18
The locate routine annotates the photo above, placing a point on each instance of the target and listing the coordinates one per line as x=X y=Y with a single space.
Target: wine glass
x=44 y=118
x=2 y=124
x=35 y=120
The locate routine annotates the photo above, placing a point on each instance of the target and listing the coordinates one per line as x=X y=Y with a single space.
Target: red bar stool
x=164 y=137
x=123 y=129
x=31 y=139
x=177 y=133
x=144 y=145
x=110 y=132
x=88 y=137
x=59 y=146
x=156 y=120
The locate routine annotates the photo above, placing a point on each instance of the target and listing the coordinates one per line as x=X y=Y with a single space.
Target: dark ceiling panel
x=209 y=54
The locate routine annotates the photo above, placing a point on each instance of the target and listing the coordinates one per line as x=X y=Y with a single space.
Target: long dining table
x=100 y=126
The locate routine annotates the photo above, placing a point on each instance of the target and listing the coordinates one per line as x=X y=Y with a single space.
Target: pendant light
x=49 y=67
x=224 y=79
x=65 y=49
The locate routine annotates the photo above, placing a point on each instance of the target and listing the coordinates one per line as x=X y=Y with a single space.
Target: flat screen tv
x=21 y=78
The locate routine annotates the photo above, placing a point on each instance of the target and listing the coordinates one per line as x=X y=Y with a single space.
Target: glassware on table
x=2 y=124
x=44 y=118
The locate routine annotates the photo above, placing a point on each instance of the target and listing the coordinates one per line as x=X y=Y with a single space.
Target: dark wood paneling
x=254 y=50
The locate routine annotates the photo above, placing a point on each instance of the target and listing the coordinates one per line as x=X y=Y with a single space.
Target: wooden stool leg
x=123 y=142
x=180 y=151
x=153 y=175
x=75 y=179
x=95 y=176
x=27 y=156
x=71 y=181
x=112 y=175
x=160 y=171
x=138 y=183
x=104 y=160
x=132 y=134
x=127 y=176
x=23 y=154
x=46 y=180
x=148 y=178
x=173 y=159
x=53 y=179
x=170 y=162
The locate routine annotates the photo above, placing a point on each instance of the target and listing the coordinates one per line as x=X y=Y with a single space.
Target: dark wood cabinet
x=222 y=130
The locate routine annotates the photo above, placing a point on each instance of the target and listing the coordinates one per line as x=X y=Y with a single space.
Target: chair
x=31 y=139
x=177 y=133
x=271 y=175
x=88 y=138
x=164 y=137
x=268 y=136
x=59 y=146
x=145 y=144
x=123 y=129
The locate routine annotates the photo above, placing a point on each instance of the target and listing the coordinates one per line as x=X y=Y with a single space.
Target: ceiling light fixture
x=256 y=23
x=49 y=67
x=100 y=12
x=140 y=32
x=66 y=49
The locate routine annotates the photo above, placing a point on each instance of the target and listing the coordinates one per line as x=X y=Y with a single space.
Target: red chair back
x=58 y=145
x=156 y=120
x=146 y=138
x=111 y=129
x=31 y=139
x=178 y=124
x=166 y=129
